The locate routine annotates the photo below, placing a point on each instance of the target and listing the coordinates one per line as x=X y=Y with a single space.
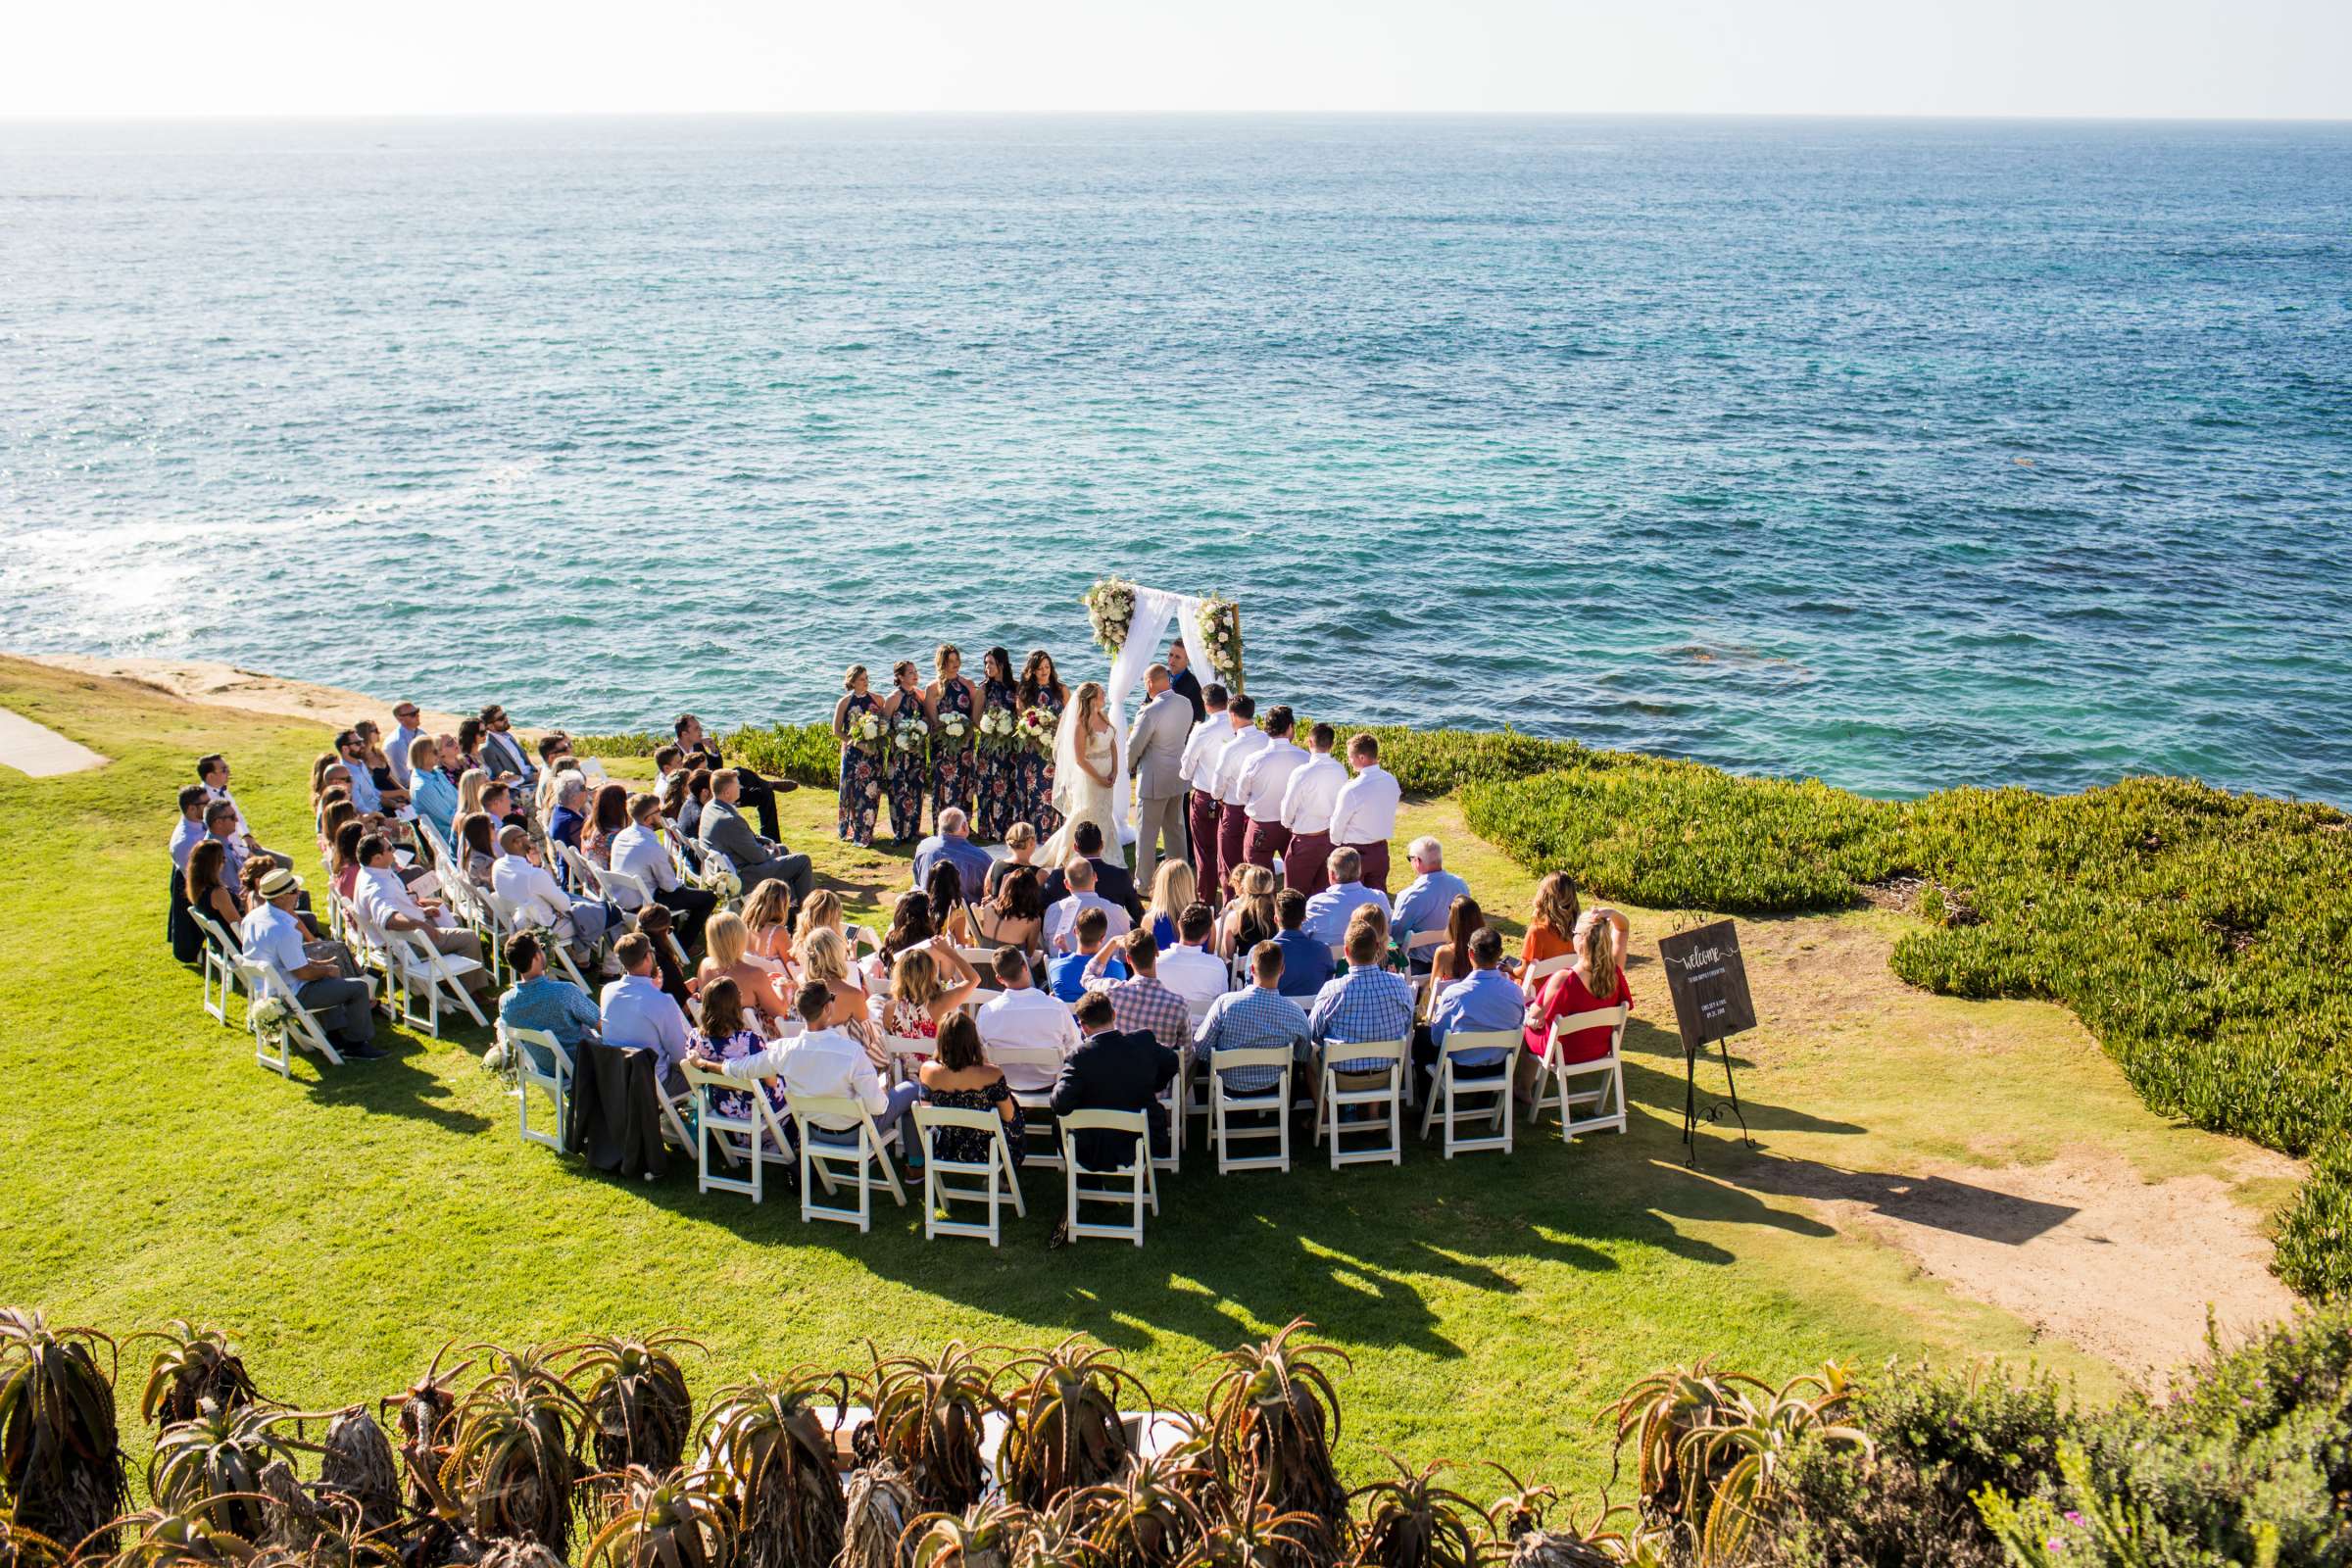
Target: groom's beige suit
x=1154 y=749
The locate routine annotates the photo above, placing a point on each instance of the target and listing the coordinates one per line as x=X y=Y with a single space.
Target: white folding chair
x=754 y=1141
x=1422 y=944
x=263 y=980
x=862 y=1164
x=990 y=1181
x=1543 y=969
x=1173 y=1099
x=371 y=950
x=1037 y=1104
x=219 y=966
x=1380 y=1103
x=625 y=891
x=1131 y=1187
x=552 y=1077
x=429 y=974
x=1604 y=1105
x=1227 y=1103
x=436 y=844
x=1466 y=1102
x=505 y=923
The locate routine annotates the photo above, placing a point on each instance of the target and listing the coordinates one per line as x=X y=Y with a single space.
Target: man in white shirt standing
x=1306 y=803
x=1024 y=1018
x=1232 y=822
x=1264 y=778
x=1363 y=817
x=1207 y=735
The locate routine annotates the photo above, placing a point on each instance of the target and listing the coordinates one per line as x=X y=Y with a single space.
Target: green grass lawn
x=343 y=1227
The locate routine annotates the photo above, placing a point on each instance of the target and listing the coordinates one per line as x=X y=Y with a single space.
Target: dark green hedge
x=805 y=752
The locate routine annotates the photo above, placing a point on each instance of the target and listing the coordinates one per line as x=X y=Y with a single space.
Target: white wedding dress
x=1078 y=797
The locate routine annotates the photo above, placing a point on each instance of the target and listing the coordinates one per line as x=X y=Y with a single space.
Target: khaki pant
x=1157 y=821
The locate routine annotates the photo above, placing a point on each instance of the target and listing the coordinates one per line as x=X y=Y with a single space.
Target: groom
x=1154 y=747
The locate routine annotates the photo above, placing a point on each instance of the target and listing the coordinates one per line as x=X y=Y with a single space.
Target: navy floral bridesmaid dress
x=860 y=777
x=1033 y=776
x=903 y=777
x=954 y=764
x=992 y=772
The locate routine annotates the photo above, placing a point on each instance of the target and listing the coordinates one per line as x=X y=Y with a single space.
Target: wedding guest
x=698 y=749
x=1090 y=935
x=352 y=752
x=1452 y=962
x=555 y=770
x=470 y=747
x=1233 y=821
x=1326 y=911
x=909 y=927
x=950 y=913
x=1485 y=1000
x=692 y=798
x=372 y=752
x=1142 y=1003
x=822 y=913
x=829 y=1062
x=434 y=793
x=727 y=1032
x=570 y=818
x=539 y=1001
x=1061 y=916
x=403 y=746
x=271 y=932
x=655 y=921
x=476 y=849
x=1114 y=1069
x=727 y=942
x=213 y=774
x=906 y=774
x=1212 y=731
x=638 y=852
x=1183 y=682
x=825 y=962
x=1112 y=880
x=636 y=1013
x=1264 y=779
x=768 y=916
x=608 y=819
x=528 y=889
x=1040 y=689
x=955 y=775
x=1426 y=899
x=960 y=1077
x=1369 y=1003
x=449 y=754
x=1254 y=1017
x=471 y=789
x=221 y=827
x=1021 y=1016
x=1306 y=962
x=926 y=985
x=1014 y=917
x=757 y=860
x=1555 y=919
x=1172 y=890
x=190 y=831
x=390 y=906
x=672 y=793
x=1591 y=983
x=1020 y=845
x=503 y=753
x=952 y=843
x=1190 y=968
x=327 y=768
x=343 y=863
x=1251 y=918
x=994 y=783
x=208 y=893
x=861 y=759
x=1364 y=816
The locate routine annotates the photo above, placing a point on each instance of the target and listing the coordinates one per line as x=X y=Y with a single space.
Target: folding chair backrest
x=1130 y=1186
x=1462 y=1041
x=1424 y=942
x=1108 y=1121
x=1543 y=969
x=1572 y=1023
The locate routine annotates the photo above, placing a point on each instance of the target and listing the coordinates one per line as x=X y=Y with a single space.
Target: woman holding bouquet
x=1040 y=699
x=908 y=769
x=1000 y=697
x=861 y=726
x=955 y=704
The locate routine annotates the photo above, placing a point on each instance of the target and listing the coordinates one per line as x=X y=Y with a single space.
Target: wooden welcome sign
x=1708 y=981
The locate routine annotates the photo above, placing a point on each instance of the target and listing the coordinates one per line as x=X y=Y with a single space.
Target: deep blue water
x=1901 y=453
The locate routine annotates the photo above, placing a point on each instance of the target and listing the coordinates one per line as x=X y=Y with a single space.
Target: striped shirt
x=1144 y=1005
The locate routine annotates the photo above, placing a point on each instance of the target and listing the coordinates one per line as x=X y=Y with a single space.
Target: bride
x=1086 y=755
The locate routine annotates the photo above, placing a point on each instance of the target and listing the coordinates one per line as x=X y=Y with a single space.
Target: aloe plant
x=1657 y=1415
x=879 y=1507
x=168 y=1538
x=60 y=1455
x=927 y=1421
x=774 y=1458
x=211 y=1465
x=676 y=1520
x=639 y=1410
x=423 y=1413
x=1743 y=1451
x=1254 y=1534
x=21 y=1547
x=1151 y=1514
x=983 y=1535
x=1064 y=1433
x=1412 y=1522
x=510 y=1468
x=1526 y=1533
x=1273 y=1415
x=192 y=1365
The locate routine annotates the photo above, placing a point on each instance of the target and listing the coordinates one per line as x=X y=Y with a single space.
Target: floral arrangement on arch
x=1219 y=625
x=1000 y=731
x=1110 y=606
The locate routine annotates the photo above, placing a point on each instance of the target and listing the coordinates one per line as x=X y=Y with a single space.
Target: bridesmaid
x=998 y=690
x=904 y=774
x=953 y=771
x=1032 y=775
x=860 y=767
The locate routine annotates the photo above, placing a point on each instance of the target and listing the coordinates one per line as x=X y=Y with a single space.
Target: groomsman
x=1364 y=815
x=1232 y=823
x=1306 y=803
x=1264 y=778
x=1211 y=732
x=1156 y=748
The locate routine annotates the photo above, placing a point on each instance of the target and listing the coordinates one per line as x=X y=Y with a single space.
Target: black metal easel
x=1691 y=1054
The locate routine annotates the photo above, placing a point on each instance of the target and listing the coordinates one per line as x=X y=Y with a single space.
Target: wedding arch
x=1130 y=624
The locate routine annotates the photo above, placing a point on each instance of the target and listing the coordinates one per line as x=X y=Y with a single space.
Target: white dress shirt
x=532 y=892
x=1061 y=919
x=1266 y=775
x=1194 y=973
x=1311 y=792
x=1245 y=745
x=381 y=895
x=1365 y=812
x=275 y=936
x=1199 y=746
x=640 y=853
x=1028 y=1017
x=821 y=1064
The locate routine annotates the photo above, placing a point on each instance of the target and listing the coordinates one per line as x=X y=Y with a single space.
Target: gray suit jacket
x=1156 y=746
x=723 y=828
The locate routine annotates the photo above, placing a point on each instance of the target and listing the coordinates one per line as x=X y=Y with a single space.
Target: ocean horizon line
x=1593 y=116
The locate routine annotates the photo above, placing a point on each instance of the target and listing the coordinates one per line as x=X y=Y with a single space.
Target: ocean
x=1904 y=454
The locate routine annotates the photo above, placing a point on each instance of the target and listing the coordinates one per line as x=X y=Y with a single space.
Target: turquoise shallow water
x=1902 y=454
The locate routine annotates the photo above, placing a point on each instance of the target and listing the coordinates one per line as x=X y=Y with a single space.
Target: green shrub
x=807 y=754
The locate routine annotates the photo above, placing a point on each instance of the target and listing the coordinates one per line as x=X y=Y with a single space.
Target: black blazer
x=1187 y=686
x=1115 y=1071
x=1114 y=883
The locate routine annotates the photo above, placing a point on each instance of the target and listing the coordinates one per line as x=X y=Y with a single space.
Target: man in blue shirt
x=1425 y=904
x=1484 y=1000
x=353 y=751
x=952 y=843
x=1306 y=962
x=1260 y=1015
x=538 y=1001
x=1067 y=971
x=637 y=1013
x=1326 y=911
x=404 y=736
x=194 y=800
x=1366 y=1004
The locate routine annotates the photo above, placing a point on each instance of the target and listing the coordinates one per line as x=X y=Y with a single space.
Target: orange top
x=1542 y=942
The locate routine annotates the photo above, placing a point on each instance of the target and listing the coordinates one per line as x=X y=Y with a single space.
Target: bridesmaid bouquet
x=1000 y=731
x=954 y=733
x=909 y=733
x=1036 y=731
x=866 y=732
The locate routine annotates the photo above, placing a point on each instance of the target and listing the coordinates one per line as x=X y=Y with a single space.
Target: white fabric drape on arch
x=1154 y=609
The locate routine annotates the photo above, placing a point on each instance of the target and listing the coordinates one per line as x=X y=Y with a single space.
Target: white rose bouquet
x=866 y=730
x=1220 y=627
x=1000 y=731
x=271 y=1018
x=908 y=733
x=1110 y=606
x=954 y=733
x=1036 y=731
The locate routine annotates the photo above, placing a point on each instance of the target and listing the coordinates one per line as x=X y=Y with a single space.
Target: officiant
x=1183 y=681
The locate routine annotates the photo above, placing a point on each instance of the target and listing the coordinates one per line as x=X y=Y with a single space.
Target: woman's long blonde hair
x=915 y=979
x=469 y=790
x=822 y=912
x=825 y=957
x=1556 y=904
x=1173 y=889
x=768 y=906
x=724 y=936
x=1599 y=966
x=1253 y=887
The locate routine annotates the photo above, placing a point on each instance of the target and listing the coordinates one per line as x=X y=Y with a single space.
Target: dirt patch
x=218 y=685
x=39 y=752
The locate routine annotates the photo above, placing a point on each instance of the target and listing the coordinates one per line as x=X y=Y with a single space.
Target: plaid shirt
x=1252 y=1018
x=1144 y=1005
x=1362 y=1004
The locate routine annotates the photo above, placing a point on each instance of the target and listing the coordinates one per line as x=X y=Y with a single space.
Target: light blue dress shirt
x=1424 y=906
x=1326 y=911
x=397 y=754
x=637 y=1013
x=1484 y=1000
x=435 y=799
x=184 y=839
x=364 y=793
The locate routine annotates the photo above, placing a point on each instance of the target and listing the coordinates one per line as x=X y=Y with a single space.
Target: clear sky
x=2128 y=58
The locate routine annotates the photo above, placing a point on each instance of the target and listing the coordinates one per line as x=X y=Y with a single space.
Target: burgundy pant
x=1264 y=841
x=1204 y=844
x=1232 y=823
x=1307 y=863
x=1376 y=864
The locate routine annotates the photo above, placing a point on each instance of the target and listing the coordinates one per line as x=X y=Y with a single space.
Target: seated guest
x=693 y=796
x=1452 y=961
x=1115 y=1069
x=498 y=803
x=960 y=1077
x=435 y=793
x=271 y=932
x=360 y=780
x=570 y=818
x=336 y=813
x=1424 y=903
x=1189 y=968
x=727 y=1034
x=1368 y=1002
x=1021 y=850
x=636 y=1013
x=825 y=962
x=825 y=1064
x=759 y=794
x=1306 y=962
x=1326 y=911
x=638 y=852
x=556 y=765
x=909 y=927
x=1174 y=887
x=670 y=766
x=208 y=894
x=1257 y=1015
x=1111 y=880
x=1251 y=916
x=1014 y=917
x=211 y=772
x=327 y=768
x=385 y=899
x=608 y=819
x=539 y=1001
x=1591 y=983
x=942 y=893
x=757 y=860
x=1023 y=1015
x=399 y=750
x=820 y=912
x=221 y=826
x=1070 y=969
x=1553 y=921
x=1142 y=1003
x=190 y=830
x=1484 y=1000
x=343 y=863
x=1061 y=917
x=672 y=791
x=768 y=916
x=653 y=921
x=952 y=843
x=470 y=748
x=477 y=849
x=372 y=752
x=926 y=985
x=537 y=899
x=503 y=753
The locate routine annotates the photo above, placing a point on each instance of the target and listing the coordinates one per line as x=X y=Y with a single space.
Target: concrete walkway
x=40 y=752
